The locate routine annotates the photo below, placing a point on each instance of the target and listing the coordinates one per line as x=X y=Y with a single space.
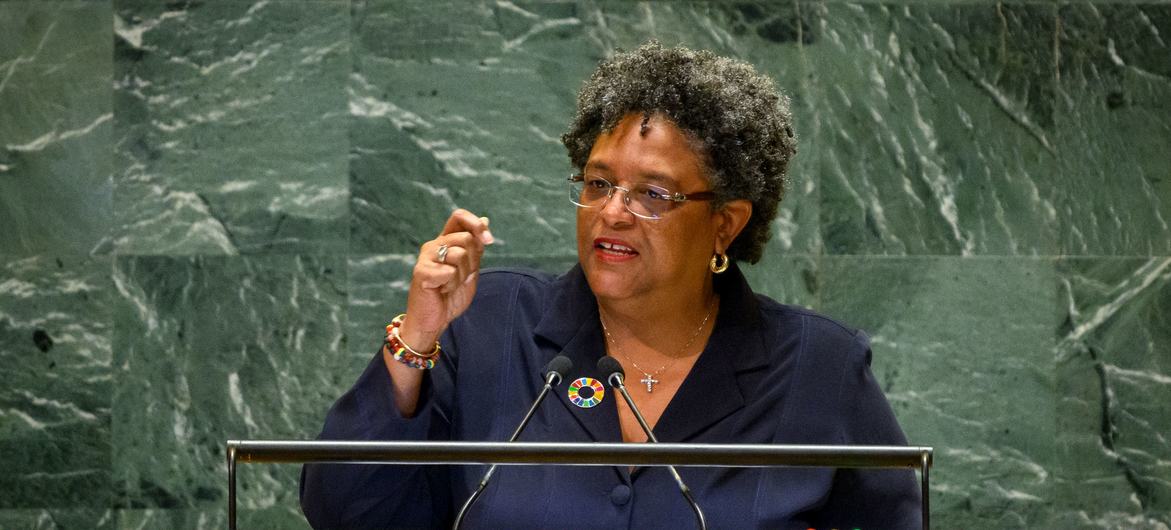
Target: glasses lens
x=575 y=188
x=650 y=201
x=644 y=200
x=589 y=191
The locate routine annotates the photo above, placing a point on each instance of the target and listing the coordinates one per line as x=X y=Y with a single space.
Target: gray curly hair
x=739 y=122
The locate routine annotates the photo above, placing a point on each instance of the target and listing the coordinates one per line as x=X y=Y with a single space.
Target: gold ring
x=441 y=254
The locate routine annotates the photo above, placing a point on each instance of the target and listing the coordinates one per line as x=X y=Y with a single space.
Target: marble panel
x=216 y=348
x=58 y=519
x=786 y=279
x=378 y=291
x=284 y=518
x=231 y=127
x=1114 y=126
x=55 y=127
x=55 y=362
x=934 y=127
x=1114 y=378
x=461 y=104
x=963 y=348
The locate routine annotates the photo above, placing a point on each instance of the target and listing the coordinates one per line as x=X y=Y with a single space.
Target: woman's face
x=627 y=257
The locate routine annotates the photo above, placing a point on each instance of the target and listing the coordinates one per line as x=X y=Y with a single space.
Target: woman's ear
x=730 y=220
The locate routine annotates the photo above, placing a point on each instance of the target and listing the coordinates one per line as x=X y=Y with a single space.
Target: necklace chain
x=649 y=377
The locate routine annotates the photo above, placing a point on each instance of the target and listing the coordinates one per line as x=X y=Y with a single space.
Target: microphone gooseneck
x=615 y=375
x=555 y=372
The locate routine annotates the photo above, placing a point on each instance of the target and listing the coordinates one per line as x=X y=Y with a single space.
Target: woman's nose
x=615 y=209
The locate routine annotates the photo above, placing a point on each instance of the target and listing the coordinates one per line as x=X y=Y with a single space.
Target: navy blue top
x=770 y=373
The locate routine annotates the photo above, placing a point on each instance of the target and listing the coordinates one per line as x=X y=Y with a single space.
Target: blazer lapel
x=712 y=390
x=572 y=327
x=601 y=420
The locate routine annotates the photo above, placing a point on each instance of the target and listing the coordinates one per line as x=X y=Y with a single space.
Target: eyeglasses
x=643 y=200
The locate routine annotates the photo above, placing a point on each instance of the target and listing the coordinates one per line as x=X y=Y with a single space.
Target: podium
x=577 y=454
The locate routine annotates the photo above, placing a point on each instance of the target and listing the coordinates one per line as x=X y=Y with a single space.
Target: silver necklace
x=649 y=377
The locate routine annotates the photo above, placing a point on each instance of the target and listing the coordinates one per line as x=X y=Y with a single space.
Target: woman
x=682 y=159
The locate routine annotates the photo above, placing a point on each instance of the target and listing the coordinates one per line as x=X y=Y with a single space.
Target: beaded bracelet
x=403 y=353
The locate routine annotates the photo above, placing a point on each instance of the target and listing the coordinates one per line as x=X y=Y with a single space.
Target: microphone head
x=611 y=368
x=560 y=367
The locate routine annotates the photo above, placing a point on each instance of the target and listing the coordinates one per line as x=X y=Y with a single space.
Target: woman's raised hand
x=444 y=279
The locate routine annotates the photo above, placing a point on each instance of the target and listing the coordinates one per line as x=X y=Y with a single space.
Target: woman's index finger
x=464 y=221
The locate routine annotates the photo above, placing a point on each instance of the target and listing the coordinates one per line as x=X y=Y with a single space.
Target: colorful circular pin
x=586 y=392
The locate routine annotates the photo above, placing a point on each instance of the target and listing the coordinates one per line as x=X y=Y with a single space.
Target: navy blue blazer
x=770 y=373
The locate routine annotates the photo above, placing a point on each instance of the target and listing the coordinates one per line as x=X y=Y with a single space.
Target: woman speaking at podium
x=681 y=159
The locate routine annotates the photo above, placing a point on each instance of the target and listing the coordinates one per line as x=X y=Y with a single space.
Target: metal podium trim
x=577 y=454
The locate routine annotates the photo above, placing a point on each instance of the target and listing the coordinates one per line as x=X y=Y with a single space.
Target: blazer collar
x=572 y=305
x=572 y=326
x=711 y=391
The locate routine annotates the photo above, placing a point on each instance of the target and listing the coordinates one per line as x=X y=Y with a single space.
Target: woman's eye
x=655 y=194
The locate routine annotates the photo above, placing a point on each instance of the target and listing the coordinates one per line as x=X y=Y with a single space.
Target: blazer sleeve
x=388 y=495
x=869 y=498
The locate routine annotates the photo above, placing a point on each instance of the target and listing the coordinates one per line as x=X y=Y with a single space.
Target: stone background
x=209 y=208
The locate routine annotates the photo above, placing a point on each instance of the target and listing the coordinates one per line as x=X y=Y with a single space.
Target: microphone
x=555 y=371
x=615 y=376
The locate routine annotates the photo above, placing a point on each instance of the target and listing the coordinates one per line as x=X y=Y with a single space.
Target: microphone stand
x=615 y=381
x=551 y=380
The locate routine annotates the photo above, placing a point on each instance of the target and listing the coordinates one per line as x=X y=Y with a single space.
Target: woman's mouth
x=613 y=251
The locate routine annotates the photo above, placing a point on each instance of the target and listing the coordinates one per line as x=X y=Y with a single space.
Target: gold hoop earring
x=719 y=263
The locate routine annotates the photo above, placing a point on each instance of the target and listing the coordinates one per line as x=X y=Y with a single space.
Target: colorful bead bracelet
x=403 y=353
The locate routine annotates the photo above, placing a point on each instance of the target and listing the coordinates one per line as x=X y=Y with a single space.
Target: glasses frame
x=672 y=198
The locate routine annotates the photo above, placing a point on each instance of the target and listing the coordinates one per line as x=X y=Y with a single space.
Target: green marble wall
x=208 y=209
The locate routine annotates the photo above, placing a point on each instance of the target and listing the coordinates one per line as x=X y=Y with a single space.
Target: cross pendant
x=649 y=382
